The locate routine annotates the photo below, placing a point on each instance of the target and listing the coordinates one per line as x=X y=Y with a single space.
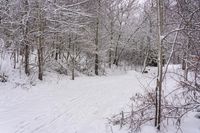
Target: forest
x=99 y=66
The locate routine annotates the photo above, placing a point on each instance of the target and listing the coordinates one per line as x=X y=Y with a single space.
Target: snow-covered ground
x=60 y=105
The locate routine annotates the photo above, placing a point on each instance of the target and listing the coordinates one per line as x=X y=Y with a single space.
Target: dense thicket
x=69 y=36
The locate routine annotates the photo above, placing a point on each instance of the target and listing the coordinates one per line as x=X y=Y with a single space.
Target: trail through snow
x=59 y=105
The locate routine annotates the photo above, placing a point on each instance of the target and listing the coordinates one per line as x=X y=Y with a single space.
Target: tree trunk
x=26 y=49
x=26 y=52
x=116 y=60
x=156 y=107
x=110 y=58
x=183 y=61
x=160 y=64
x=57 y=47
x=186 y=61
x=111 y=44
x=40 y=56
x=15 y=58
x=96 y=54
x=40 y=60
x=96 y=68
x=73 y=61
x=145 y=62
x=40 y=46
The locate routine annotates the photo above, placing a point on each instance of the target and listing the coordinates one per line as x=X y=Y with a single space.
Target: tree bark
x=160 y=64
x=40 y=60
x=111 y=44
x=73 y=61
x=26 y=49
x=97 y=43
x=40 y=46
x=96 y=54
x=26 y=52
x=116 y=59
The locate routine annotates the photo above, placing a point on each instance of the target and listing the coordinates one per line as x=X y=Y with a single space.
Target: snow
x=60 y=105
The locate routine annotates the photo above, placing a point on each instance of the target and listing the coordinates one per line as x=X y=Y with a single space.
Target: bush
x=3 y=78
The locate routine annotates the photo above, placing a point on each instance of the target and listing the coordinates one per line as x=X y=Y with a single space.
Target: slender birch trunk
x=160 y=65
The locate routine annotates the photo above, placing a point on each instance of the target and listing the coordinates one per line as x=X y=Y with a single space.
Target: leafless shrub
x=3 y=78
x=142 y=110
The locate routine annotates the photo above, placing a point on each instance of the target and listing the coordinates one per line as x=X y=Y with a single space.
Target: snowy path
x=65 y=106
